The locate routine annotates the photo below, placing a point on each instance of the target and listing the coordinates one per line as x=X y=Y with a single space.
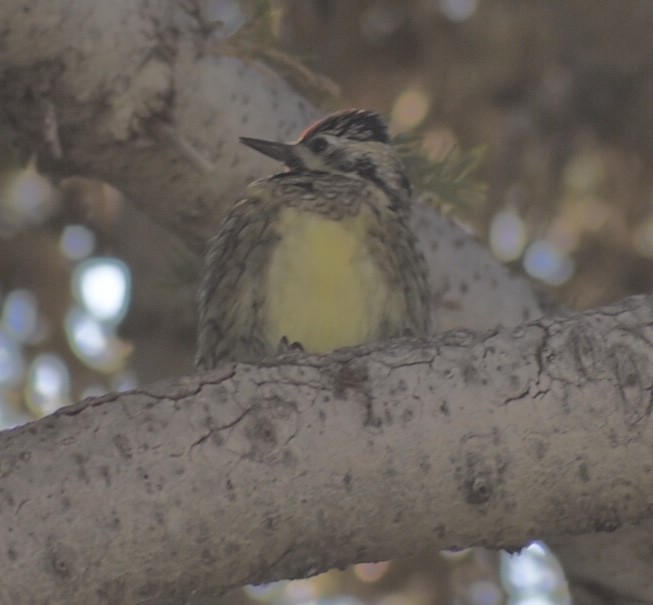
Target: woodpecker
x=317 y=257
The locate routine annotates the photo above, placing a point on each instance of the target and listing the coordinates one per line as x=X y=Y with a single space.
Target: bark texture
x=129 y=92
x=186 y=489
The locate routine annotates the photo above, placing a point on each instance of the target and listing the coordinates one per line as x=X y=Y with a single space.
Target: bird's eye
x=317 y=145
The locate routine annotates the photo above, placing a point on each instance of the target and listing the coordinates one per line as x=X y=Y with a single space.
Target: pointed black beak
x=277 y=151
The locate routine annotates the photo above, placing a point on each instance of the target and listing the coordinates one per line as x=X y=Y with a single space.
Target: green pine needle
x=448 y=182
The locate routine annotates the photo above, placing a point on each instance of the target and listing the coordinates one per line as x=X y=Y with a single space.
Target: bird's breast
x=324 y=288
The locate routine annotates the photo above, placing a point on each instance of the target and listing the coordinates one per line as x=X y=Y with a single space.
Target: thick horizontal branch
x=188 y=488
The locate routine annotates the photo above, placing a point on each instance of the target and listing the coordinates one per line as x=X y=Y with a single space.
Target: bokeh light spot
x=533 y=600
x=48 y=384
x=87 y=336
x=547 y=263
x=537 y=549
x=95 y=342
x=396 y=598
x=20 y=316
x=77 y=242
x=485 y=593
x=301 y=591
x=27 y=199
x=456 y=554
x=11 y=415
x=507 y=236
x=270 y=592
x=103 y=285
x=410 y=109
x=371 y=572
x=534 y=576
x=12 y=365
x=227 y=14
x=458 y=10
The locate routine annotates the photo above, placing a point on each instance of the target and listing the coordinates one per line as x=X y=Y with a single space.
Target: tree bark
x=183 y=490
x=129 y=92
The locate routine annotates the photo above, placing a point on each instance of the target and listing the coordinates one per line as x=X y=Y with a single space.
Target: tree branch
x=188 y=488
x=137 y=100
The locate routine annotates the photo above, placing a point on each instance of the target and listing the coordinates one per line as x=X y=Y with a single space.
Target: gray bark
x=186 y=489
x=130 y=92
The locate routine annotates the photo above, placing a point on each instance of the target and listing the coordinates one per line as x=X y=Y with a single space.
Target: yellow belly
x=323 y=289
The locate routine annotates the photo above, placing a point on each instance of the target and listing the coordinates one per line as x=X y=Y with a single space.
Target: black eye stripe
x=404 y=182
x=317 y=145
x=366 y=168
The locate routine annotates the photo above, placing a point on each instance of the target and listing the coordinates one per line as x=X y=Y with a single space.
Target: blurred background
x=550 y=105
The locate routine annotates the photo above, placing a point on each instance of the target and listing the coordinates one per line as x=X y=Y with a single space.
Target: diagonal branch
x=137 y=98
x=191 y=487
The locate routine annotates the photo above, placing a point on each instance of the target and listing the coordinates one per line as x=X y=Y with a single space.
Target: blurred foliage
x=554 y=92
x=450 y=181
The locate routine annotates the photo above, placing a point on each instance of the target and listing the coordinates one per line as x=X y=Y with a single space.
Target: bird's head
x=353 y=142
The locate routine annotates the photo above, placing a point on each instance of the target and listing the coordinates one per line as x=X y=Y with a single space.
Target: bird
x=319 y=256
